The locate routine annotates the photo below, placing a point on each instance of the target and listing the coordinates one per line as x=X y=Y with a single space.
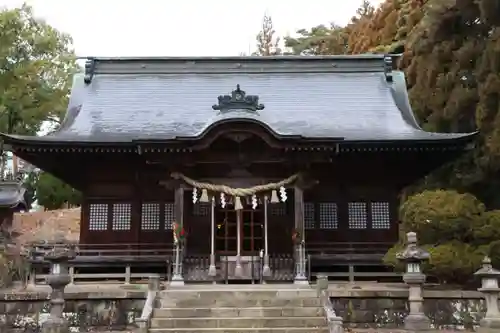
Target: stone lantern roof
x=412 y=252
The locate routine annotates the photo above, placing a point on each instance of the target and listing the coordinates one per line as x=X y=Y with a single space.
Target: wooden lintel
x=172 y=184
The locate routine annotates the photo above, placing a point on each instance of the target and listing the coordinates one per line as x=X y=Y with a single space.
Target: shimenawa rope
x=237 y=192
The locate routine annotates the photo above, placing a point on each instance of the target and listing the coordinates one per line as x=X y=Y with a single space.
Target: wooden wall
x=125 y=206
x=128 y=205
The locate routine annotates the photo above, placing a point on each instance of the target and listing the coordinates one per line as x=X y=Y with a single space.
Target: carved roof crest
x=238 y=100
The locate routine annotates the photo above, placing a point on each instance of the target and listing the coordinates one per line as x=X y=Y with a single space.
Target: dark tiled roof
x=141 y=99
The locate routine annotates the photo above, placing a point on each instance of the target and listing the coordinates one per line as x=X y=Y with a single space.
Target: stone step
x=247 y=322
x=238 y=312
x=241 y=330
x=239 y=293
x=237 y=302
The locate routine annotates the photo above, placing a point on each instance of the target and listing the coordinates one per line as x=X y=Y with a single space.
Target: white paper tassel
x=223 y=200
x=195 y=195
x=283 y=194
x=254 y=201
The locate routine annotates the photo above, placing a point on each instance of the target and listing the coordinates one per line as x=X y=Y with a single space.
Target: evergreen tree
x=267 y=42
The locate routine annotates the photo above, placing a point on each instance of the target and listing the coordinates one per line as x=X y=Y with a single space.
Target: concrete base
x=417 y=323
x=55 y=326
x=488 y=330
x=212 y=270
x=238 y=270
x=177 y=282
x=142 y=325
x=301 y=282
x=490 y=325
x=335 y=325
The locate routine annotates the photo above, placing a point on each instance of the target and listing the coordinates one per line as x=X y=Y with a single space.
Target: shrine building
x=252 y=157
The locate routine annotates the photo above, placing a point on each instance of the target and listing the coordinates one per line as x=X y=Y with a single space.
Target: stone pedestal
x=58 y=279
x=300 y=265
x=335 y=323
x=266 y=270
x=412 y=257
x=489 y=288
x=212 y=270
x=177 y=277
x=416 y=319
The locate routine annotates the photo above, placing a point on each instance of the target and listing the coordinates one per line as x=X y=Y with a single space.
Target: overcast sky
x=182 y=27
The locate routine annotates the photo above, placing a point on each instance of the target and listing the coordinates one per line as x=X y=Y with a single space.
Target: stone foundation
x=114 y=308
x=97 y=310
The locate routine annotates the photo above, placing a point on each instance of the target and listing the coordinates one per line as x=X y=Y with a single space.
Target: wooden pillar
x=300 y=267
x=177 y=278
x=135 y=218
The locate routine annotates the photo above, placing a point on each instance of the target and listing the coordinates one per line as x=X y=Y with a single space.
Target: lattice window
x=169 y=215
x=121 y=216
x=328 y=216
x=357 y=215
x=277 y=209
x=150 y=216
x=201 y=209
x=98 y=217
x=309 y=218
x=381 y=216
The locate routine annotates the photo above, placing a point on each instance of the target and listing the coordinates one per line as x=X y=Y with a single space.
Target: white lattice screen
x=150 y=216
x=357 y=215
x=381 y=217
x=328 y=215
x=98 y=217
x=169 y=215
x=309 y=215
x=121 y=216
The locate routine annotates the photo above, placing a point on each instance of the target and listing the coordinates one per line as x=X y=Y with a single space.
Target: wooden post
x=238 y=269
x=266 y=270
x=127 y=274
x=212 y=270
x=300 y=274
x=177 y=278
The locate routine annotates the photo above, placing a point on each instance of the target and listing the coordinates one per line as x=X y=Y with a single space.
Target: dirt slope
x=40 y=226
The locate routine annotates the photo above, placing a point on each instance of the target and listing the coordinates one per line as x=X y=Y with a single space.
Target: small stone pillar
x=335 y=323
x=144 y=320
x=413 y=256
x=58 y=257
x=489 y=288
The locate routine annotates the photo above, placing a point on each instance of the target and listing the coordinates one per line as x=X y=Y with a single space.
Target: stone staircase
x=239 y=309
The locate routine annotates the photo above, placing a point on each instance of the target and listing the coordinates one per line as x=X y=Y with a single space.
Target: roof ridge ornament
x=89 y=70
x=238 y=100
x=388 y=67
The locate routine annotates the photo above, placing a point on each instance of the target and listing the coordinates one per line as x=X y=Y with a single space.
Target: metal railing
x=196 y=268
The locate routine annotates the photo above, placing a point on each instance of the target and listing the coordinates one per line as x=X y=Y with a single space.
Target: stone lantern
x=413 y=257
x=58 y=257
x=489 y=288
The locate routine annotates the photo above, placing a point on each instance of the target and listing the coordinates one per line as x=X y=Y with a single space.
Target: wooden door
x=251 y=232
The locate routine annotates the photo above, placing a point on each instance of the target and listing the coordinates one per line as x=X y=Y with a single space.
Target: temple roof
x=350 y=98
